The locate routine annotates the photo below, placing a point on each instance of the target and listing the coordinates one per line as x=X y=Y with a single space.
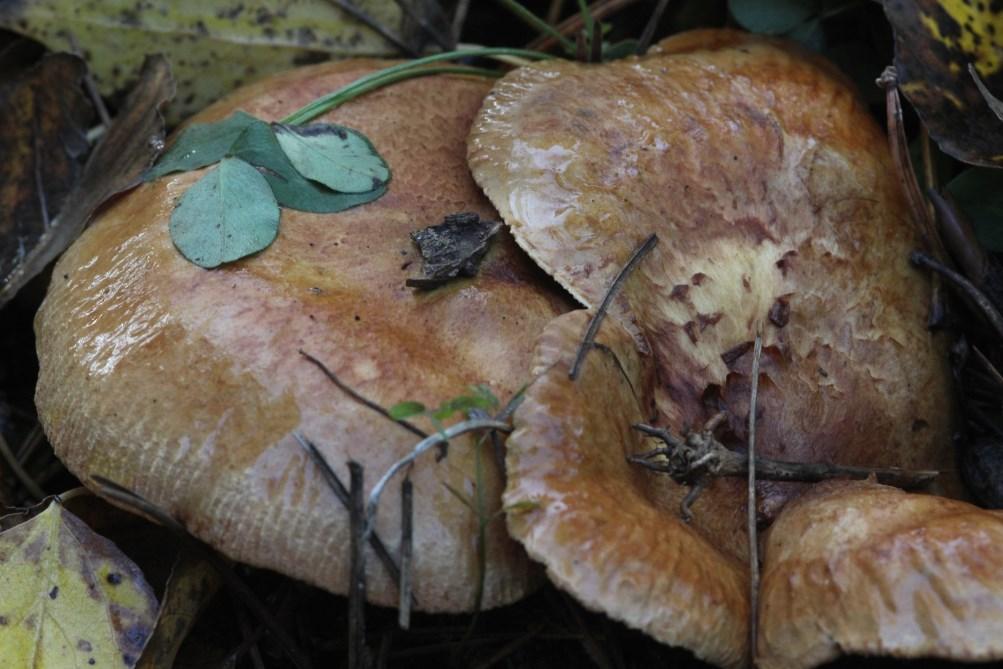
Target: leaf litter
x=70 y=595
x=131 y=143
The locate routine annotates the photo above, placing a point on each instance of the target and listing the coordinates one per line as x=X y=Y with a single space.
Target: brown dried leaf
x=70 y=597
x=131 y=144
x=45 y=114
x=192 y=584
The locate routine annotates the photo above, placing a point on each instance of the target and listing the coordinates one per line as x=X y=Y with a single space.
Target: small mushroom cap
x=186 y=385
x=600 y=524
x=856 y=567
x=776 y=205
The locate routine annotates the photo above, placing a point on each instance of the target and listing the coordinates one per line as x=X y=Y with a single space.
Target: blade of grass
x=395 y=73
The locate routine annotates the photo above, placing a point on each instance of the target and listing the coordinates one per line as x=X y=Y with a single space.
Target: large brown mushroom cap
x=777 y=208
x=600 y=524
x=855 y=567
x=776 y=204
x=185 y=385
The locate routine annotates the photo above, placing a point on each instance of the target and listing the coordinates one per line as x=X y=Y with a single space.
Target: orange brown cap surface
x=856 y=567
x=186 y=385
x=600 y=524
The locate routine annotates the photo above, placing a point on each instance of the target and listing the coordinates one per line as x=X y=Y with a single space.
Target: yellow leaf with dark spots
x=935 y=41
x=213 y=47
x=69 y=597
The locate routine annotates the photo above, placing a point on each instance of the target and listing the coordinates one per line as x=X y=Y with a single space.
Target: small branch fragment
x=652 y=25
x=344 y=496
x=964 y=286
x=357 y=655
x=362 y=17
x=597 y=319
x=757 y=353
x=407 y=531
x=701 y=456
x=369 y=404
x=423 y=446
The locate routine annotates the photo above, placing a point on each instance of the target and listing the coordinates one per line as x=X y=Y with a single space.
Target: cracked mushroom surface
x=777 y=207
x=186 y=385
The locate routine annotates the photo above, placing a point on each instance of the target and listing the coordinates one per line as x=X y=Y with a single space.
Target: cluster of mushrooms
x=778 y=214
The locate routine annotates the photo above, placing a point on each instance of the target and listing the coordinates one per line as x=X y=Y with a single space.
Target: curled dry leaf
x=70 y=597
x=212 y=47
x=187 y=387
x=935 y=42
x=45 y=115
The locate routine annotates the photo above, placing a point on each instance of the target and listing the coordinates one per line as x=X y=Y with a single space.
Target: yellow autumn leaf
x=944 y=51
x=213 y=46
x=69 y=597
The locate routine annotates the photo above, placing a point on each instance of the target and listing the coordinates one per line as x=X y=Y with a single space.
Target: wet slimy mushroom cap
x=186 y=385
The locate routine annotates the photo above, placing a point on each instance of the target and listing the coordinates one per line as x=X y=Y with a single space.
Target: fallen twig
x=614 y=287
x=600 y=10
x=357 y=655
x=757 y=353
x=364 y=401
x=699 y=457
x=964 y=286
x=652 y=25
x=423 y=446
x=344 y=496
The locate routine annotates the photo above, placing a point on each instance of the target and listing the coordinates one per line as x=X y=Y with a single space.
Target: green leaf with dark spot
x=228 y=214
x=406 y=410
x=338 y=157
x=772 y=17
x=979 y=193
x=201 y=144
x=257 y=145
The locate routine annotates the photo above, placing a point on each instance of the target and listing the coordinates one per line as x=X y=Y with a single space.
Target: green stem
x=538 y=24
x=395 y=73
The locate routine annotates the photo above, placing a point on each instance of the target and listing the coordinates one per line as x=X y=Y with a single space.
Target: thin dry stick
x=554 y=12
x=899 y=145
x=357 y=572
x=702 y=456
x=423 y=446
x=43 y=201
x=419 y=20
x=407 y=530
x=460 y=18
x=368 y=403
x=966 y=287
x=600 y=10
x=757 y=353
x=959 y=236
x=336 y=485
x=29 y=483
x=988 y=365
x=90 y=86
x=126 y=497
x=597 y=318
x=356 y=13
x=649 y=29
